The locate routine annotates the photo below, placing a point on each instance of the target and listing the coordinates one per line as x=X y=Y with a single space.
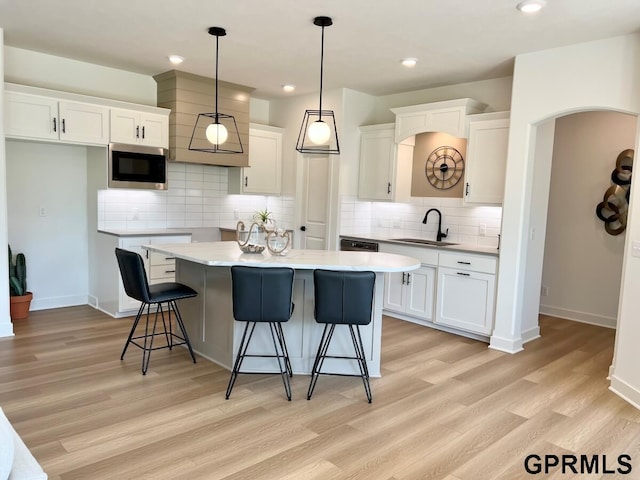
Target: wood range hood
x=188 y=95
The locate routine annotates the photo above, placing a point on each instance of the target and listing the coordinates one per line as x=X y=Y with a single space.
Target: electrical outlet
x=482 y=229
x=544 y=291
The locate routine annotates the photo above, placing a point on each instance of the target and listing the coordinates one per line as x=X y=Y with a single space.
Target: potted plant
x=263 y=219
x=20 y=298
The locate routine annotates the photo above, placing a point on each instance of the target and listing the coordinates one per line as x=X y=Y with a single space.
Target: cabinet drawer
x=162 y=271
x=464 y=261
x=156 y=259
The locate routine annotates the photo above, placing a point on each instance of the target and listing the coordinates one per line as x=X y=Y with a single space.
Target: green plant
x=262 y=215
x=17 y=274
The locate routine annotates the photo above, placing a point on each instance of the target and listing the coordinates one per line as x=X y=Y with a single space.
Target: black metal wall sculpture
x=613 y=208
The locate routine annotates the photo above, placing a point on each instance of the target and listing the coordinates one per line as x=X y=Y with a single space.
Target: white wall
x=588 y=76
x=6 y=327
x=53 y=178
x=57 y=73
x=585 y=150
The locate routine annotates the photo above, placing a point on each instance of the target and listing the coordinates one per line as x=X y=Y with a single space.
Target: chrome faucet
x=440 y=234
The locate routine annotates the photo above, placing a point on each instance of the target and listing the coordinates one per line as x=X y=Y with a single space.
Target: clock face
x=444 y=168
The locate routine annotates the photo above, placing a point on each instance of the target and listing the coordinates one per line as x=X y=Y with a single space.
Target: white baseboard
x=531 y=334
x=58 y=302
x=6 y=329
x=576 y=316
x=625 y=391
x=508 y=345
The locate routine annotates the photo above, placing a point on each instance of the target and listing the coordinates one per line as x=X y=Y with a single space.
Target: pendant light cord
x=217 y=40
x=321 y=72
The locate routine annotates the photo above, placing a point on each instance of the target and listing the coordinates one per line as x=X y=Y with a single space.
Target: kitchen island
x=214 y=333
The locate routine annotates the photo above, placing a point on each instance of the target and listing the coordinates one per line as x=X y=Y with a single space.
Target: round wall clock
x=444 y=168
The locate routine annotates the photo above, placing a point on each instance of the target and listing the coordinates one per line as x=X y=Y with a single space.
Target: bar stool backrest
x=134 y=276
x=343 y=297
x=262 y=294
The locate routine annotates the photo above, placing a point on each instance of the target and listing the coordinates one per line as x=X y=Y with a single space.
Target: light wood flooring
x=446 y=407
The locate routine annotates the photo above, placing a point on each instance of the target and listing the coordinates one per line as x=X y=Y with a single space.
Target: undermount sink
x=424 y=241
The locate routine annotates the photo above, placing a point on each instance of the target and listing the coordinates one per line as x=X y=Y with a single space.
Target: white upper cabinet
x=44 y=118
x=486 y=158
x=447 y=117
x=385 y=167
x=135 y=127
x=264 y=174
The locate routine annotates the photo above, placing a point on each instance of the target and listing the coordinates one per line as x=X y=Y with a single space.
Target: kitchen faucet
x=440 y=234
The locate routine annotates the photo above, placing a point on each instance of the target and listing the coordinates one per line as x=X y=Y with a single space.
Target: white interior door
x=315 y=202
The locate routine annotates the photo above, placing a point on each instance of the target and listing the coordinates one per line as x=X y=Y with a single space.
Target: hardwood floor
x=446 y=407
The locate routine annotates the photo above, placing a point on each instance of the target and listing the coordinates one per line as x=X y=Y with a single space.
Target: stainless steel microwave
x=137 y=166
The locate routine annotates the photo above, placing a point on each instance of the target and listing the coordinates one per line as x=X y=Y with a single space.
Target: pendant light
x=318 y=133
x=216 y=132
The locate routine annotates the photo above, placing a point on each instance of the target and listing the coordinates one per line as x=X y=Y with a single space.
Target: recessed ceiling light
x=531 y=6
x=409 y=62
x=176 y=59
x=288 y=88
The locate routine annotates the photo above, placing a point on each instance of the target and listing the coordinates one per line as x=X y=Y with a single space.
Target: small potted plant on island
x=264 y=220
x=20 y=299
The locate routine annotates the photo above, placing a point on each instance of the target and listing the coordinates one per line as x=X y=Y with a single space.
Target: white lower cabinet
x=466 y=292
x=411 y=293
x=106 y=285
x=452 y=289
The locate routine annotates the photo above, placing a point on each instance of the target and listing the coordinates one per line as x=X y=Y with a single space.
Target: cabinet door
x=154 y=130
x=465 y=300
x=133 y=244
x=393 y=291
x=264 y=173
x=420 y=293
x=124 y=126
x=84 y=123
x=486 y=161
x=376 y=157
x=30 y=116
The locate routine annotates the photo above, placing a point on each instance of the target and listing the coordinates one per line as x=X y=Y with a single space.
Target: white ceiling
x=270 y=43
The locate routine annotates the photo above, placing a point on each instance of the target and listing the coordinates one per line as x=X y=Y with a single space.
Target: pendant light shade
x=216 y=132
x=318 y=133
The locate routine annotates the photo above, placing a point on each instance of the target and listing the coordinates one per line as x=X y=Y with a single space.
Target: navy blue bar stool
x=262 y=295
x=134 y=279
x=342 y=298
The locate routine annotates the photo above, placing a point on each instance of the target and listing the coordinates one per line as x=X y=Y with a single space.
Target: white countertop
x=225 y=254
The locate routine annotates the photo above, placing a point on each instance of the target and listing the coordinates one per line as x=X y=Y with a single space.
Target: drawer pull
x=169 y=258
x=464 y=263
x=464 y=274
x=169 y=271
x=403 y=278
